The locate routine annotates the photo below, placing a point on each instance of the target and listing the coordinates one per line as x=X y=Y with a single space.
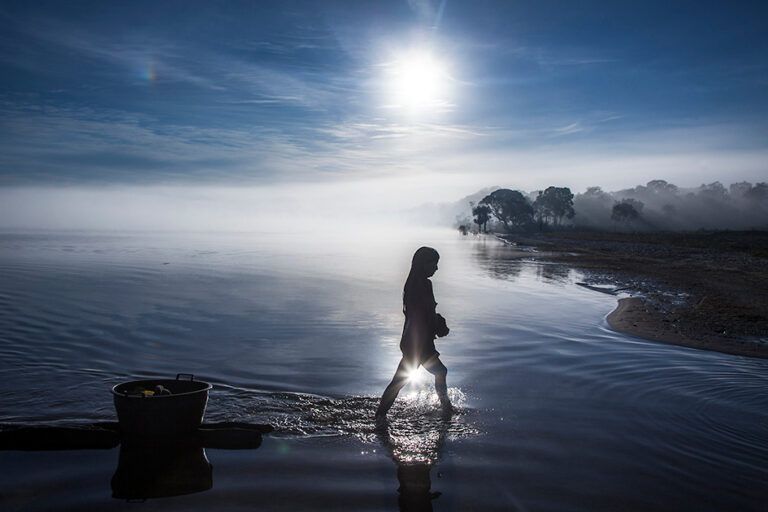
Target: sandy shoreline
x=634 y=317
x=701 y=290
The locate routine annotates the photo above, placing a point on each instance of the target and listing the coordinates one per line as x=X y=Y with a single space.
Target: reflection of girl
x=422 y=324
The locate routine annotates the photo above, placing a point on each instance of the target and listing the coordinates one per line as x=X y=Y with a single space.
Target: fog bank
x=664 y=206
x=332 y=206
x=661 y=206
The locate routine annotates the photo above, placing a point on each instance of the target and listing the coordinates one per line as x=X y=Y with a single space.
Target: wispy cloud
x=80 y=145
x=129 y=54
x=569 y=129
x=46 y=144
x=143 y=57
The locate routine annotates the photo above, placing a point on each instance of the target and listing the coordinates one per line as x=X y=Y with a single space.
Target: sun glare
x=418 y=81
x=414 y=376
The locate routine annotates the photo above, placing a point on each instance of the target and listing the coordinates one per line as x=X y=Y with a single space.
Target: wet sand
x=701 y=290
x=636 y=317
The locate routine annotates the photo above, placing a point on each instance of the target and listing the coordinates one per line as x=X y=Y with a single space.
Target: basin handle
x=179 y=375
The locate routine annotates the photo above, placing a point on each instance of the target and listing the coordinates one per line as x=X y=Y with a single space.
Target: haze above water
x=557 y=412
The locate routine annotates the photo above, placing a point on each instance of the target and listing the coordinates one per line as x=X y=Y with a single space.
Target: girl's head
x=423 y=266
x=424 y=262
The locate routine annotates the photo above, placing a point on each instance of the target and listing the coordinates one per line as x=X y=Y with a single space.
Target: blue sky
x=258 y=94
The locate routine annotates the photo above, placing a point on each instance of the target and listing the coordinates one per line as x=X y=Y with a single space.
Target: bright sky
x=403 y=102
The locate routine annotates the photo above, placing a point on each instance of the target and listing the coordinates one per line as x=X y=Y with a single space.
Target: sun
x=418 y=81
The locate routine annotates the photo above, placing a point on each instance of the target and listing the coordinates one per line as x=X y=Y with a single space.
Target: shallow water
x=556 y=411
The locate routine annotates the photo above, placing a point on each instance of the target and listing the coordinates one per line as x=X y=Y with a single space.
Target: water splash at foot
x=415 y=422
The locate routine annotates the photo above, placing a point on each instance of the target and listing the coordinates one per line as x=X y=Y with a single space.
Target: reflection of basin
x=157 y=470
x=148 y=467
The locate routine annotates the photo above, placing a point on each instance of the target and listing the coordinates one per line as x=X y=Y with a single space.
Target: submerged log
x=107 y=435
x=58 y=438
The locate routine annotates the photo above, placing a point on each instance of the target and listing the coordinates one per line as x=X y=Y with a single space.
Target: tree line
x=654 y=206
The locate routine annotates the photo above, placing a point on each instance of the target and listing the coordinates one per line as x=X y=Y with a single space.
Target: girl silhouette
x=422 y=324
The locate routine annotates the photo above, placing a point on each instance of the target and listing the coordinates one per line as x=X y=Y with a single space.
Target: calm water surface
x=557 y=412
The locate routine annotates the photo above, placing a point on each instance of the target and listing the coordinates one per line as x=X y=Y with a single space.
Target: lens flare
x=149 y=73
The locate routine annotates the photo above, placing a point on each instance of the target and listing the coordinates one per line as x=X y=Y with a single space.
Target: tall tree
x=540 y=211
x=758 y=193
x=714 y=191
x=510 y=207
x=482 y=214
x=554 y=203
x=740 y=190
x=627 y=211
x=661 y=188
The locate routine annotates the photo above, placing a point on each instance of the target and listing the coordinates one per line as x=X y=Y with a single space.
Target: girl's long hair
x=416 y=282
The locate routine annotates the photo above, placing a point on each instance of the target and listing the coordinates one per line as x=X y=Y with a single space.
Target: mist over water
x=296 y=207
x=383 y=204
x=301 y=330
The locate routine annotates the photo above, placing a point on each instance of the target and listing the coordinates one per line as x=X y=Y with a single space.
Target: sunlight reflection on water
x=302 y=332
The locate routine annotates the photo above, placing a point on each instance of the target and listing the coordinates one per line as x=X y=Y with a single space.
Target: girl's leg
x=398 y=381
x=436 y=367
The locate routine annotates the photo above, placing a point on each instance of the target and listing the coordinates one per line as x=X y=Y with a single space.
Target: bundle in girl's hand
x=441 y=328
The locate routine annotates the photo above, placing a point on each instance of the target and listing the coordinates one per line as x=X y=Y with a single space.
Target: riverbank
x=701 y=290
